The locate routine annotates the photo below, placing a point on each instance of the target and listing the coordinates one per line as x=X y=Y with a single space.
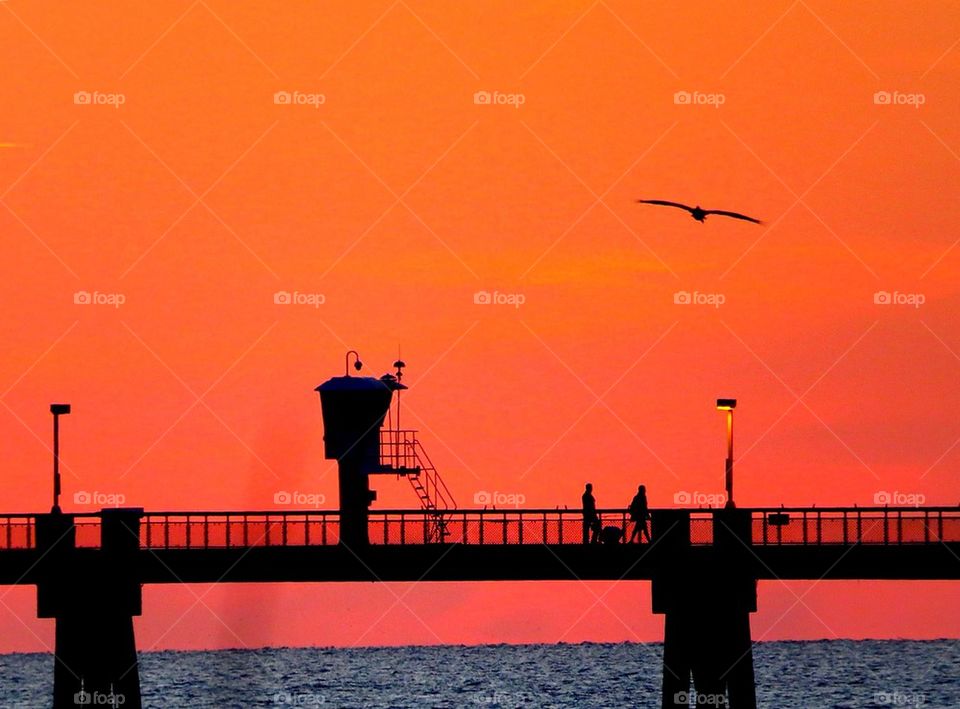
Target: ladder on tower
x=402 y=453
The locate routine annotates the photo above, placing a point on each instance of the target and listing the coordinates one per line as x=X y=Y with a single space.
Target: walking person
x=591 y=521
x=639 y=513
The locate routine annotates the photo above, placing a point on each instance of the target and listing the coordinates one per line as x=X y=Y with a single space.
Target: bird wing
x=664 y=203
x=735 y=215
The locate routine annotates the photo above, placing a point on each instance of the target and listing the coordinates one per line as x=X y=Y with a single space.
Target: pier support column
x=706 y=594
x=93 y=594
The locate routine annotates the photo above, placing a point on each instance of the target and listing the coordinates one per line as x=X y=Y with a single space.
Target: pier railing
x=769 y=527
x=17 y=532
x=885 y=525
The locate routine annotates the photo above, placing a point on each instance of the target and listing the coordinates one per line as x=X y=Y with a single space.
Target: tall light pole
x=57 y=410
x=728 y=405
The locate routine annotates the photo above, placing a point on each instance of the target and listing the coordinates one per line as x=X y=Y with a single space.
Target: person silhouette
x=591 y=521
x=639 y=513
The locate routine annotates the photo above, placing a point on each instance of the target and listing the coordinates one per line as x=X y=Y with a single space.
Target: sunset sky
x=146 y=161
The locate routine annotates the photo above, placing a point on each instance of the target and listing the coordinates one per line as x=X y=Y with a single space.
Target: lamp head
x=726 y=404
x=57 y=409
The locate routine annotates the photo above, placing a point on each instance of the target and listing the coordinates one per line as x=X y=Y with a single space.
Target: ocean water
x=790 y=675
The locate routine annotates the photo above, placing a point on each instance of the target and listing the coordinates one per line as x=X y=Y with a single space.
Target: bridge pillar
x=93 y=594
x=706 y=595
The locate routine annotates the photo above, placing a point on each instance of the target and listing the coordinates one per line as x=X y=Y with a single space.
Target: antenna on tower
x=399 y=364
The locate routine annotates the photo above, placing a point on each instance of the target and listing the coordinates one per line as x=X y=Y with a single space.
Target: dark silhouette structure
x=704 y=564
x=591 y=521
x=57 y=410
x=353 y=412
x=699 y=213
x=639 y=514
x=93 y=597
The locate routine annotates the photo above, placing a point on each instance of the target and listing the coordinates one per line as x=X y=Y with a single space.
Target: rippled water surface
x=790 y=675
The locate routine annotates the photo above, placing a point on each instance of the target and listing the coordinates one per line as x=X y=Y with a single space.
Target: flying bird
x=699 y=213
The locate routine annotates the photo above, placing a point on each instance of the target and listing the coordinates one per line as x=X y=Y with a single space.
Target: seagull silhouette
x=698 y=213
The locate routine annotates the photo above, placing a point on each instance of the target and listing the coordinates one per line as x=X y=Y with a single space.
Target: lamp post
x=728 y=405
x=57 y=410
x=357 y=364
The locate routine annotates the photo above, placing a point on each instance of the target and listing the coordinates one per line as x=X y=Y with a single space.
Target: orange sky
x=397 y=198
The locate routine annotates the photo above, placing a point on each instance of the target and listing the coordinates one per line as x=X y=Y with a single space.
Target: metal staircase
x=402 y=453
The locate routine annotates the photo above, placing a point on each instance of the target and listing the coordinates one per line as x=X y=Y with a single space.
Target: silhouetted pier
x=704 y=564
x=269 y=546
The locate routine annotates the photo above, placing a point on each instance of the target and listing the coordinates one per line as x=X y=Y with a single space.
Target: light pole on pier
x=728 y=405
x=57 y=410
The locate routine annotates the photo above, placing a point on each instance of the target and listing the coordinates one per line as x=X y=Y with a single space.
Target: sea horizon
x=791 y=674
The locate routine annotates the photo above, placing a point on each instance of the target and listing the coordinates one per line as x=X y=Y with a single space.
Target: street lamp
x=728 y=405
x=57 y=410
x=357 y=364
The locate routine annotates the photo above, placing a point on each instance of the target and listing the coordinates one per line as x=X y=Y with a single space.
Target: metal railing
x=488 y=526
x=17 y=532
x=840 y=525
x=212 y=530
x=398 y=449
x=401 y=451
x=769 y=527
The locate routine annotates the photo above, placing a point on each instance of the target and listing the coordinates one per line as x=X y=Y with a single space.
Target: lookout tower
x=354 y=410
